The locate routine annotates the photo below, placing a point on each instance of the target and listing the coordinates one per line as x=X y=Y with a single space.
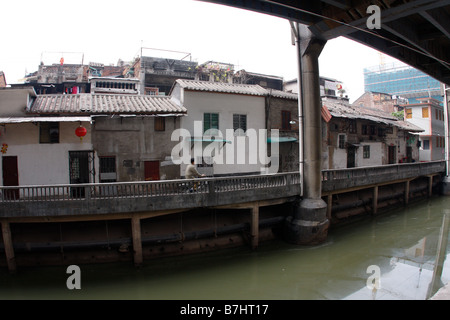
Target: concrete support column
x=375 y=200
x=255 y=226
x=430 y=186
x=407 y=183
x=329 y=206
x=9 y=249
x=308 y=223
x=137 y=241
x=446 y=180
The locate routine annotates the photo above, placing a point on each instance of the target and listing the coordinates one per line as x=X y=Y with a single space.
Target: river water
x=398 y=248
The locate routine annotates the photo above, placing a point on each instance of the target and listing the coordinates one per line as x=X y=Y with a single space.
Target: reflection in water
x=402 y=244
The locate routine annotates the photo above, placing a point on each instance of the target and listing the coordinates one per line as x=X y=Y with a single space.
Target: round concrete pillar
x=308 y=224
x=446 y=186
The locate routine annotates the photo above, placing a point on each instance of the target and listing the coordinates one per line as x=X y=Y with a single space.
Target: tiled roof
x=86 y=103
x=340 y=109
x=247 y=89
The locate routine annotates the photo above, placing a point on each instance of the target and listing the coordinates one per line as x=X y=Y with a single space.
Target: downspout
x=296 y=37
x=446 y=180
x=446 y=133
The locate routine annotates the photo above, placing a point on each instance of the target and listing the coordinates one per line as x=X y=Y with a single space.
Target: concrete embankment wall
x=192 y=231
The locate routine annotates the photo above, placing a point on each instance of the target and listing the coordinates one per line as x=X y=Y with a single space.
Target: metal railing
x=135 y=189
x=337 y=179
x=92 y=198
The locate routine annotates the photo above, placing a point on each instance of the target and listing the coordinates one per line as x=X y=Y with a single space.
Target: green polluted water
x=393 y=256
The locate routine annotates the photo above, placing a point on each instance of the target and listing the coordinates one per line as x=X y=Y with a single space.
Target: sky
x=105 y=31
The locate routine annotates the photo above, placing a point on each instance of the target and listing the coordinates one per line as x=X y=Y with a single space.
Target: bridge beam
x=308 y=223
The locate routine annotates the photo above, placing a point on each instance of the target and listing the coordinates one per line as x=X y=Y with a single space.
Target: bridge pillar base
x=309 y=224
x=446 y=186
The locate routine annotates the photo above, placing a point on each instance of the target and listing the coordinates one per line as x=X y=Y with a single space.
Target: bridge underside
x=416 y=32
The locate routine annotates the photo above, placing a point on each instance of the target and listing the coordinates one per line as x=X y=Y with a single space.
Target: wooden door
x=391 y=155
x=10 y=176
x=351 y=153
x=151 y=170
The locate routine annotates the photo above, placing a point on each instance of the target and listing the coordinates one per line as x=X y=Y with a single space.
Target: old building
x=282 y=115
x=328 y=87
x=265 y=81
x=130 y=133
x=225 y=127
x=86 y=137
x=428 y=114
x=41 y=149
x=382 y=101
x=360 y=136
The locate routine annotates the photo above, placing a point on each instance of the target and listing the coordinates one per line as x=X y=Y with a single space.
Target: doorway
x=10 y=176
x=351 y=154
x=151 y=170
x=81 y=168
x=391 y=154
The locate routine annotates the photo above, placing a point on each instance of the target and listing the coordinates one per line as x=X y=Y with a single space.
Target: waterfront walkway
x=166 y=196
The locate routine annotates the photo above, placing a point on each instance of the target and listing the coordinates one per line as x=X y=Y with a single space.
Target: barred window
x=210 y=121
x=240 y=122
x=366 y=152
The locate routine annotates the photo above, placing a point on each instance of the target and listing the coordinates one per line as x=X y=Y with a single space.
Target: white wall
x=43 y=163
x=376 y=155
x=198 y=103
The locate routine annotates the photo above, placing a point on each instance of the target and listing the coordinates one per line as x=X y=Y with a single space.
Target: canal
x=398 y=248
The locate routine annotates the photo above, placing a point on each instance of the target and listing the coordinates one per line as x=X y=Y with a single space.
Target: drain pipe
x=446 y=180
x=160 y=239
x=296 y=41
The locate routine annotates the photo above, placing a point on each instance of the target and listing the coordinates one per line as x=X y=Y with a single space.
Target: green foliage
x=399 y=115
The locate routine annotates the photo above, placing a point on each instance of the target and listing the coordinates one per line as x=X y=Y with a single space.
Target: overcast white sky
x=106 y=31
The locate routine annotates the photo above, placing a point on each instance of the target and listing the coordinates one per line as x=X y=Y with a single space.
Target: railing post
x=255 y=226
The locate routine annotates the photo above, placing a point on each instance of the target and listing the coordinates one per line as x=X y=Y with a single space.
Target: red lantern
x=80 y=132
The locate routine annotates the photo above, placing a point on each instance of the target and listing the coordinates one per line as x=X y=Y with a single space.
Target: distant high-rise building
x=402 y=80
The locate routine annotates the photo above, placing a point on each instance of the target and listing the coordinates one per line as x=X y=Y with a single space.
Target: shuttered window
x=210 y=121
x=240 y=123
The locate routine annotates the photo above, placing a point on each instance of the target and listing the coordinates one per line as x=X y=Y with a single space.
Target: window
x=426 y=144
x=240 y=123
x=440 y=142
x=160 y=124
x=49 y=132
x=341 y=141
x=210 y=121
x=438 y=115
x=425 y=112
x=408 y=113
x=372 y=130
x=285 y=120
x=352 y=126
x=107 y=169
x=364 y=129
x=366 y=152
